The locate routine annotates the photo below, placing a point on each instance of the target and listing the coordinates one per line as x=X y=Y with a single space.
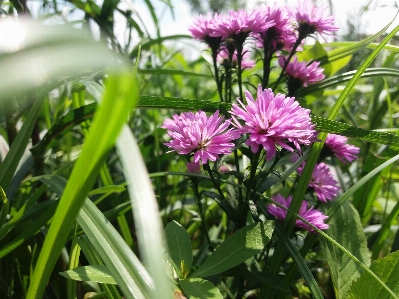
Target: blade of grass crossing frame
x=145 y=211
x=125 y=267
x=8 y=167
x=119 y=98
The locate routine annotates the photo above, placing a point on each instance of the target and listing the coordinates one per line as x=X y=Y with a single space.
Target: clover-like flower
x=273 y=120
x=312 y=215
x=196 y=133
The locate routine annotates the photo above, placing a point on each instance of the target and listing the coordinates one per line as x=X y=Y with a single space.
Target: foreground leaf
x=179 y=246
x=119 y=98
x=96 y=273
x=242 y=245
x=346 y=229
x=197 y=288
x=387 y=269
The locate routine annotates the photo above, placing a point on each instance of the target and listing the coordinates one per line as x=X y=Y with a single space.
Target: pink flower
x=343 y=151
x=272 y=120
x=311 y=19
x=193 y=167
x=313 y=216
x=206 y=137
x=303 y=72
x=200 y=28
x=246 y=62
x=325 y=187
x=239 y=22
x=281 y=35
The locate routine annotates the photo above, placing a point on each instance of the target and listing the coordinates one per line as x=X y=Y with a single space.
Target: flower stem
x=216 y=71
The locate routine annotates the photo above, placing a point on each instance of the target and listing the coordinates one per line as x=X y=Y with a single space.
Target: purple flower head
x=301 y=74
x=313 y=216
x=193 y=167
x=343 y=151
x=306 y=73
x=272 y=120
x=200 y=29
x=311 y=19
x=325 y=187
x=280 y=36
x=205 y=137
x=246 y=62
x=236 y=26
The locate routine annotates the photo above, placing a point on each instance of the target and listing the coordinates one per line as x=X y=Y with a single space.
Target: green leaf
x=346 y=229
x=119 y=98
x=387 y=269
x=96 y=273
x=197 y=288
x=242 y=245
x=179 y=245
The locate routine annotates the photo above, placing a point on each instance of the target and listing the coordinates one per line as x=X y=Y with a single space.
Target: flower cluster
x=270 y=124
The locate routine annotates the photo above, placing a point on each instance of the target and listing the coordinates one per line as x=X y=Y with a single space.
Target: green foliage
x=346 y=229
x=96 y=273
x=386 y=269
x=179 y=246
x=197 y=288
x=243 y=244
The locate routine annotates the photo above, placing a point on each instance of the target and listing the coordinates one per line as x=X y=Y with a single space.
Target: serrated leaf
x=179 y=245
x=387 y=269
x=346 y=229
x=243 y=244
x=197 y=288
x=95 y=273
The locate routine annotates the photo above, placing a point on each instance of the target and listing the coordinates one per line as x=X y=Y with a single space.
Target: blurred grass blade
x=120 y=96
x=10 y=164
x=146 y=215
x=127 y=270
x=345 y=77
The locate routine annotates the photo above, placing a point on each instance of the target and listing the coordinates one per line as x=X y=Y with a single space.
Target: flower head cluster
x=239 y=22
x=193 y=167
x=246 y=62
x=205 y=137
x=313 y=216
x=337 y=144
x=272 y=120
x=311 y=19
x=322 y=182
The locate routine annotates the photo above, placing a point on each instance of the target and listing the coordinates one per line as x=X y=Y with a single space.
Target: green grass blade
x=94 y=259
x=119 y=98
x=145 y=212
x=10 y=164
x=300 y=263
x=127 y=270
